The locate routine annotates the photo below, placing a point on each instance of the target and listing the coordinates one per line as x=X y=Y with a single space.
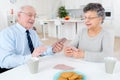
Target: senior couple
x=93 y=42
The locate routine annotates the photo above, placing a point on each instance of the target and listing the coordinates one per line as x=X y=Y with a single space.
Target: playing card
x=62 y=40
x=63 y=67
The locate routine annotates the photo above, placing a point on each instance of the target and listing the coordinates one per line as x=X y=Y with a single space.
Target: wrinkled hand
x=78 y=54
x=68 y=51
x=73 y=52
x=58 y=46
x=38 y=51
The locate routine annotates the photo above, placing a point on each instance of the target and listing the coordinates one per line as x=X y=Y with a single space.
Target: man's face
x=27 y=17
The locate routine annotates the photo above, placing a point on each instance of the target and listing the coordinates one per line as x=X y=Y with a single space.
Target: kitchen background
x=47 y=9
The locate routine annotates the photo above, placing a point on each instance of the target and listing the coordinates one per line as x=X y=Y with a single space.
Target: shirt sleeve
x=48 y=51
x=107 y=49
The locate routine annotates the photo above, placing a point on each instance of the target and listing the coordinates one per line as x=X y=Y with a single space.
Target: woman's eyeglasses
x=89 y=18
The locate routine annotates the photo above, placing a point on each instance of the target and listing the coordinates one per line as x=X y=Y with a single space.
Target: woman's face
x=92 y=20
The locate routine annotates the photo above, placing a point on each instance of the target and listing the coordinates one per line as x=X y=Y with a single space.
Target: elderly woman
x=93 y=42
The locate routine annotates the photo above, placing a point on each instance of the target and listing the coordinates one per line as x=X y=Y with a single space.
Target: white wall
x=116 y=19
x=3 y=13
x=108 y=22
x=114 y=23
x=44 y=8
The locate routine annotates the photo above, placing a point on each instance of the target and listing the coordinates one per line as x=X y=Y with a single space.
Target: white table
x=92 y=70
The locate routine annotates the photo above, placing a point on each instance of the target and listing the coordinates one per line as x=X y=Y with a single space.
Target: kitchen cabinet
x=76 y=4
x=72 y=4
x=106 y=3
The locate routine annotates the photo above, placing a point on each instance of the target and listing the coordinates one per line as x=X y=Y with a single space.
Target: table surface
x=92 y=70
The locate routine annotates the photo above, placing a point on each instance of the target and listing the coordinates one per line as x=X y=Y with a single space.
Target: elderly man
x=20 y=42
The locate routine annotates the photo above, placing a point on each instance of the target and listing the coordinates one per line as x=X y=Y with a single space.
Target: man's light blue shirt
x=14 y=49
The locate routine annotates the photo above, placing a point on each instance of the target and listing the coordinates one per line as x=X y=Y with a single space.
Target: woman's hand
x=73 y=52
x=38 y=51
x=68 y=51
x=78 y=54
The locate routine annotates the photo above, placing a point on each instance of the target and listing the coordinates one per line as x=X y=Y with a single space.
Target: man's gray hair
x=25 y=6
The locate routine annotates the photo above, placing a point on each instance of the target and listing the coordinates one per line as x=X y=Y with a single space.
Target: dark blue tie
x=29 y=41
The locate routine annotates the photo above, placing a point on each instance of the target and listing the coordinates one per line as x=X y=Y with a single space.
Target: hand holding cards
x=73 y=52
x=58 y=46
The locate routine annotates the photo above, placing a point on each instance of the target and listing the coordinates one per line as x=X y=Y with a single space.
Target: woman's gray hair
x=95 y=7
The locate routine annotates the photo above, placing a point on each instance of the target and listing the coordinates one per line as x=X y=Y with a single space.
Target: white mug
x=110 y=64
x=33 y=64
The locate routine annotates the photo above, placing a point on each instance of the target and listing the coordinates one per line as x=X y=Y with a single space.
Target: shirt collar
x=21 y=28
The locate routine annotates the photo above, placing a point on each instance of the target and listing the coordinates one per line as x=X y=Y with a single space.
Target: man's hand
x=58 y=46
x=38 y=51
